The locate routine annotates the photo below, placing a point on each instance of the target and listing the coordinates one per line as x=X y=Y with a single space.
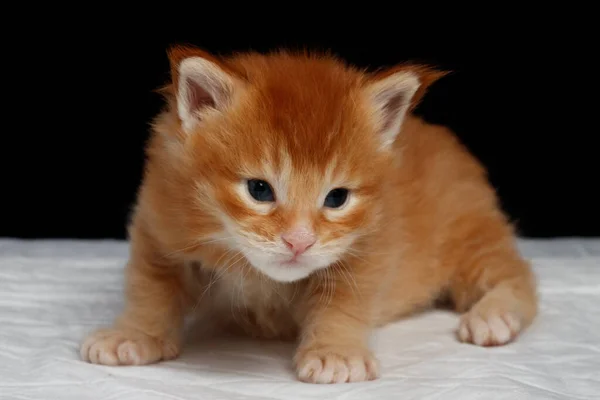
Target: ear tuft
x=396 y=91
x=202 y=84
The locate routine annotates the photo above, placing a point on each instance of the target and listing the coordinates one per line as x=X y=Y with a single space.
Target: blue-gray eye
x=336 y=198
x=260 y=190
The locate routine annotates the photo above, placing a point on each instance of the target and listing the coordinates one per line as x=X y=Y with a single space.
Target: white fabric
x=53 y=292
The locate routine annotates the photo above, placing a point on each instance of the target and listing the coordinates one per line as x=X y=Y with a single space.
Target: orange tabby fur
x=424 y=223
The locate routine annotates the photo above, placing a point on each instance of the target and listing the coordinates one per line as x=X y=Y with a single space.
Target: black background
x=75 y=131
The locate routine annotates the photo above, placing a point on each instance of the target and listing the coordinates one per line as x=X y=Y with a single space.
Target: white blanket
x=53 y=292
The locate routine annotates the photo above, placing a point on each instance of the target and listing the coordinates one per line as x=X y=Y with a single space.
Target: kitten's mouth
x=291 y=262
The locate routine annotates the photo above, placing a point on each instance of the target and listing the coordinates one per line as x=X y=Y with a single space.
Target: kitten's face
x=293 y=196
x=289 y=160
x=289 y=219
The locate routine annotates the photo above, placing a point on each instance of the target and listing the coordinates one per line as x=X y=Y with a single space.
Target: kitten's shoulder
x=436 y=147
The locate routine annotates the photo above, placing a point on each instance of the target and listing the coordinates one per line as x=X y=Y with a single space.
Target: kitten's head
x=287 y=154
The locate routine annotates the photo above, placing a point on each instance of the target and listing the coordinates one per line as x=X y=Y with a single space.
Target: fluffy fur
x=421 y=221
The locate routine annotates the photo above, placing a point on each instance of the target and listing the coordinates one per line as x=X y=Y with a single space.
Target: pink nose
x=299 y=240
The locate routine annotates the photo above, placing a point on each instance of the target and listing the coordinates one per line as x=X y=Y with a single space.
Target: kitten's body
x=422 y=223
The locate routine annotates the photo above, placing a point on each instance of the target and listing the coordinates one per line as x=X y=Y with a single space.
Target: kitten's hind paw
x=336 y=365
x=126 y=347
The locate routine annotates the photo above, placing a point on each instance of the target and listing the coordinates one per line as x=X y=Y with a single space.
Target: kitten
x=319 y=207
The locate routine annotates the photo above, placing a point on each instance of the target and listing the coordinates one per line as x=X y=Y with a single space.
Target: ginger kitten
x=304 y=191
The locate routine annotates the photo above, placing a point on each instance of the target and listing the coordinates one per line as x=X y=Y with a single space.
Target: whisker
x=294 y=294
x=287 y=301
x=195 y=244
x=224 y=254
x=220 y=274
x=183 y=249
x=245 y=270
x=347 y=274
x=332 y=286
x=214 y=279
x=360 y=258
x=233 y=295
x=354 y=250
x=325 y=281
x=315 y=283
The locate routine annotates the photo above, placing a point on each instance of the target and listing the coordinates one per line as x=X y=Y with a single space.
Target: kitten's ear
x=202 y=84
x=396 y=91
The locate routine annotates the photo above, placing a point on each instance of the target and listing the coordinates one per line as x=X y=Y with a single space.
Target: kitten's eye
x=336 y=198
x=260 y=190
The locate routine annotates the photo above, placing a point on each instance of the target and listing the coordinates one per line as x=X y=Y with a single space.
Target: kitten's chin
x=282 y=268
x=284 y=273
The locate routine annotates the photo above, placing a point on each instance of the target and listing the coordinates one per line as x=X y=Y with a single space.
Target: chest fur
x=243 y=300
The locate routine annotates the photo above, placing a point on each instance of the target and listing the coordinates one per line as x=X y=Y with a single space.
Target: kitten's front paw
x=336 y=365
x=489 y=328
x=126 y=347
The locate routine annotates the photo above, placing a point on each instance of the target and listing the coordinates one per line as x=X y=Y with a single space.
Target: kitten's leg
x=493 y=286
x=334 y=333
x=150 y=327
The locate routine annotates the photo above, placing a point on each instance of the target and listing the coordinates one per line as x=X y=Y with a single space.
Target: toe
x=372 y=368
x=500 y=333
x=357 y=371
x=129 y=353
x=342 y=372
x=512 y=322
x=106 y=357
x=309 y=369
x=480 y=331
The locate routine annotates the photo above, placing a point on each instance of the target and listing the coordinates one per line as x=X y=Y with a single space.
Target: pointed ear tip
x=429 y=71
x=176 y=53
x=440 y=73
x=425 y=73
x=182 y=47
